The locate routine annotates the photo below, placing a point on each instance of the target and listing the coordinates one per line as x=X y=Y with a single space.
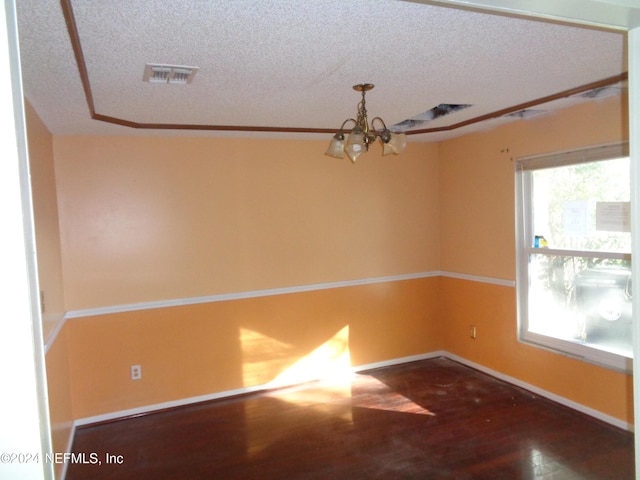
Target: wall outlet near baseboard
x=136 y=372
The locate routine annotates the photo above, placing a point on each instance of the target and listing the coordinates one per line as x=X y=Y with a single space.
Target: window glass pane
x=583 y=207
x=581 y=299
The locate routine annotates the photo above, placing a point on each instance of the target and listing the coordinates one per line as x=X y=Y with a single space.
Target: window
x=574 y=253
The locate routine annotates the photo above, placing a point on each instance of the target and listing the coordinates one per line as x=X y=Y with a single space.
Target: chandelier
x=362 y=134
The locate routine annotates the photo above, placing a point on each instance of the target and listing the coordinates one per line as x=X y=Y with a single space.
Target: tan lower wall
x=59 y=388
x=200 y=349
x=492 y=309
x=203 y=349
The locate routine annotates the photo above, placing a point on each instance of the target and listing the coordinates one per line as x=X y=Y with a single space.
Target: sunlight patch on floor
x=263 y=357
x=354 y=391
x=369 y=392
x=544 y=466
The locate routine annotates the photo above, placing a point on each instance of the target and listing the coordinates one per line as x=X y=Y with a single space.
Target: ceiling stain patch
x=436 y=112
x=601 y=92
x=526 y=113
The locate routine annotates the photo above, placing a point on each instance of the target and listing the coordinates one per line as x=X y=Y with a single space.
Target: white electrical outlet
x=136 y=372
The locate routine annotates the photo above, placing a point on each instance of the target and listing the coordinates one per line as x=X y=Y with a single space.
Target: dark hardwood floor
x=433 y=419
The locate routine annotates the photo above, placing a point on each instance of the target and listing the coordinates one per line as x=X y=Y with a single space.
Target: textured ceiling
x=291 y=63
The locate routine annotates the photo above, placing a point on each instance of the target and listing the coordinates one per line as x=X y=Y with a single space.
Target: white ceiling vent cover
x=161 y=73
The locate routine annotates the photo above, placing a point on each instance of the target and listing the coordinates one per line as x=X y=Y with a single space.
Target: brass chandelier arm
x=355 y=123
x=373 y=125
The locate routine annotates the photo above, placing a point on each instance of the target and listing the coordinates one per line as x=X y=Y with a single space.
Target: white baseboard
x=386 y=363
x=543 y=393
x=238 y=391
x=399 y=361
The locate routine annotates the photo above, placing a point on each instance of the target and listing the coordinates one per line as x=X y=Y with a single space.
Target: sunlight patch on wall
x=262 y=357
x=271 y=362
x=329 y=360
x=275 y=364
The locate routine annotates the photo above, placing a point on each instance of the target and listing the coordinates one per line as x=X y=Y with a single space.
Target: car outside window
x=574 y=260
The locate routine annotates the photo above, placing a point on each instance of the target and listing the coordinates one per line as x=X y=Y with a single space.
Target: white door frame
x=25 y=432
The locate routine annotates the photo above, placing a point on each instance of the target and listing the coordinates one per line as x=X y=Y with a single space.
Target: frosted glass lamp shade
x=387 y=149
x=336 y=147
x=355 y=145
x=397 y=144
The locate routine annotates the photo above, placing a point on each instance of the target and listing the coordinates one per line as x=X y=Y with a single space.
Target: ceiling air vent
x=160 y=73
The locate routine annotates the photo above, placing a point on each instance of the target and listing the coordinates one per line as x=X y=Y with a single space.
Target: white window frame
x=524 y=249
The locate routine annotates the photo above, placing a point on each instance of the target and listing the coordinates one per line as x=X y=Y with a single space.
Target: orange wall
x=478 y=238
x=155 y=218
x=201 y=349
x=160 y=218
x=477 y=199
x=45 y=212
x=492 y=309
x=50 y=277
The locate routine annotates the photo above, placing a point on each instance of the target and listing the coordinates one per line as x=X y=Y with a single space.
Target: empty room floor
x=432 y=419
